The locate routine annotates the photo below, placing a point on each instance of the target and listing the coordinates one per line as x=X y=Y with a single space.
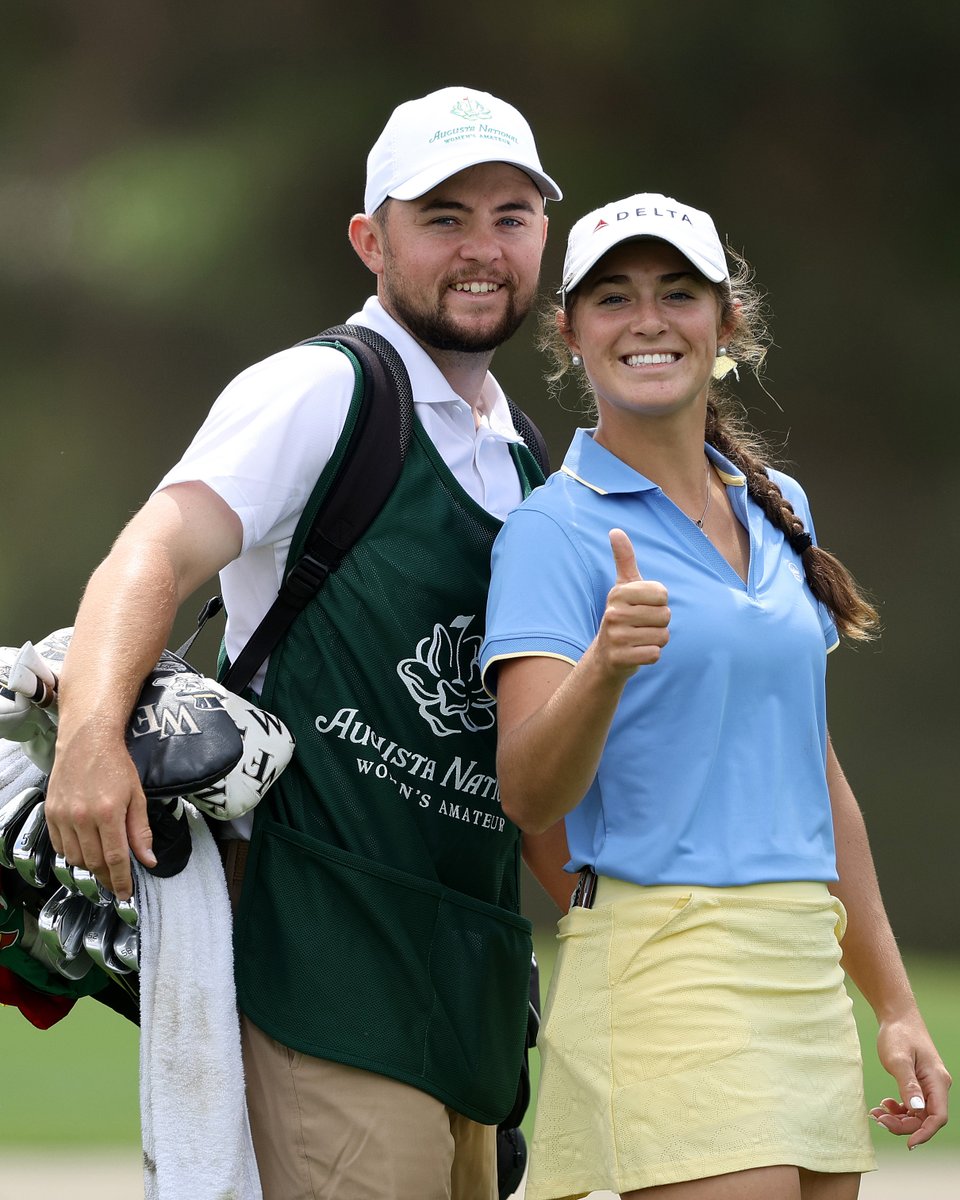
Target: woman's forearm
x=554 y=720
x=871 y=956
x=553 y=717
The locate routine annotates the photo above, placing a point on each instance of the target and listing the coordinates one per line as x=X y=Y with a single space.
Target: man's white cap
x=646 y=215
x=428 y=140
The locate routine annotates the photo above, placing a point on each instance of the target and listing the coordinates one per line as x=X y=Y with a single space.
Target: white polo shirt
x=272 y=431
x=714 y=769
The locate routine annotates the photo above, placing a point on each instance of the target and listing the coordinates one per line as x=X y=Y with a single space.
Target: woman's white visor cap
x=646 y=215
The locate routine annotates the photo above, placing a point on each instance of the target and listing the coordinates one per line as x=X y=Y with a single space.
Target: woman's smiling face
x=646 y=324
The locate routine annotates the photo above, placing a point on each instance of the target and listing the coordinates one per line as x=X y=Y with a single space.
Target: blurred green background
x=175 y=186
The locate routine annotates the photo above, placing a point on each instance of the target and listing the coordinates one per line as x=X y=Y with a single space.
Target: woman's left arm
x=872 y=960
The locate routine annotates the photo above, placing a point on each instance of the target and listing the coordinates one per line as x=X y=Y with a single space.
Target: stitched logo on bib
x=443 y=677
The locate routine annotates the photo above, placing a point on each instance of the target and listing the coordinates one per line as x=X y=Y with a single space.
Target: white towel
x=195 y=1128
x=17 y=772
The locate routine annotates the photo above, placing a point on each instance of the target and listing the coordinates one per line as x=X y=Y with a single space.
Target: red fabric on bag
x=39 y=1008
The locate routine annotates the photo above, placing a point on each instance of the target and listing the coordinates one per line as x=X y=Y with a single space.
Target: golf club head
x=12 y=816
x=64 y=872
x=71 y=968
x=71 y=922
x=126 y=910
x=49 y=918
x=98 y=941
x=89 y=886
x=32 y=851
x=126 y=946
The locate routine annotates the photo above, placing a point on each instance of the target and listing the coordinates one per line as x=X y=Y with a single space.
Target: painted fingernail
x=916 y=1102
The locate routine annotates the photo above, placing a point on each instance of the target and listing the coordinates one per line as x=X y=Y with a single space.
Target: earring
x=724 y=364
x=576 y=360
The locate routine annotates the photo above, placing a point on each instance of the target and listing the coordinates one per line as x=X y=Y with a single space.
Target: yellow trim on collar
x=737 y=480
x=565 y=470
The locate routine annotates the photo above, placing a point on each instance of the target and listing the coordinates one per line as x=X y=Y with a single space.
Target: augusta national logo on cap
x=470 y=110
x=478 y=115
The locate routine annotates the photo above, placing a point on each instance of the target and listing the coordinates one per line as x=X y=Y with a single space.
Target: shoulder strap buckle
x=307 y=577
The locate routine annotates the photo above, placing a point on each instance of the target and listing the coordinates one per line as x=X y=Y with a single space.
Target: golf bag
x=62 y=933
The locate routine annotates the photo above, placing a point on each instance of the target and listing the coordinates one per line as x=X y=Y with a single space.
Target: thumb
x=624 y=557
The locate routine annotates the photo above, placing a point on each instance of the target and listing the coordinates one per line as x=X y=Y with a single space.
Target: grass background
x=76 y=1084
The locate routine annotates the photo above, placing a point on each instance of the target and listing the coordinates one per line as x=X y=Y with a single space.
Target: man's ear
x=366 y=237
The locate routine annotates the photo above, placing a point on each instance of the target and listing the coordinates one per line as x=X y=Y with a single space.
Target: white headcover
x=29 y=679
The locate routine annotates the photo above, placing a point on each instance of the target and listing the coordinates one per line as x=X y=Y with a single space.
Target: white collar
x=426 y=379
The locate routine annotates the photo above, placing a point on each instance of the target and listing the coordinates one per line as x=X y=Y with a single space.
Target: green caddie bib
x=379 y=921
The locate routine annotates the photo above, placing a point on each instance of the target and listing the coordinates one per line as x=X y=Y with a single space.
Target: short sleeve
x=542 y=598
x=268 y=436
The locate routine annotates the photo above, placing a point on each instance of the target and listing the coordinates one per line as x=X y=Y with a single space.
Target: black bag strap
x=368 y=472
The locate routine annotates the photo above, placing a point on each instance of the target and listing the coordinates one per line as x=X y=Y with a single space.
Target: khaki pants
x=325 y=1131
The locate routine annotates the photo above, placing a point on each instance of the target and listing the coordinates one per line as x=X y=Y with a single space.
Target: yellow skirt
x=692 y=1031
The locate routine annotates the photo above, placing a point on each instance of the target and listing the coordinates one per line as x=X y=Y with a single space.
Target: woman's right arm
x=553 y=718
x=546 y=854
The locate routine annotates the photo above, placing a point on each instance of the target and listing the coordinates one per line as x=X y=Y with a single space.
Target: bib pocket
x=351 y=960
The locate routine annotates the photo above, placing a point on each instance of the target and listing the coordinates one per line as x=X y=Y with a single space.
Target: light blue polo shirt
x=714 y=768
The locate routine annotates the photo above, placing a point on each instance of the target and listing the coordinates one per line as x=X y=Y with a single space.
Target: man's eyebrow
x=439 y=202
x=516 y=206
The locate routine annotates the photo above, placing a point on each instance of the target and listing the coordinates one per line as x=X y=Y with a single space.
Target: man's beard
x=435 y=328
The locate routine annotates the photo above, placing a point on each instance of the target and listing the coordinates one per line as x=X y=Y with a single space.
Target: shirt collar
x=426 y=379
x=595 y=467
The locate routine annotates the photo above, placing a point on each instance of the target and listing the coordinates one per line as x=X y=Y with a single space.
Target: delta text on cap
x=647 y=214
x=426 y=141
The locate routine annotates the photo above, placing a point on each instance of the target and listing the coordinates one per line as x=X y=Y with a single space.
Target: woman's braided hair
x=727 y=431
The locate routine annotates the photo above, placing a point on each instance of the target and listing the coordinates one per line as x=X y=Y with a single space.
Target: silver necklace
x=706 y=507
